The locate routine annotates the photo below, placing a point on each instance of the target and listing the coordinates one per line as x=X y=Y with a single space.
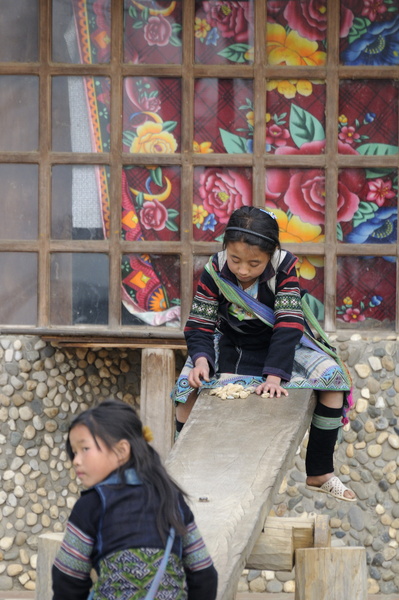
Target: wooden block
x=231 y=457
x=330 y=573
x=275 y=548
x=322 y=531
x=156 y=408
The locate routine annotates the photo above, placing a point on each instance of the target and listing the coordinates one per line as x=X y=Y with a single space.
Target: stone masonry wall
x=42 y=387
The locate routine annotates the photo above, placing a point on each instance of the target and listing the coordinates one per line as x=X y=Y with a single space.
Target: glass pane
x=18 y=289
x=367 y=210
x=369 y=33
x=198 y=267
x=150 y=290
x=310 y=271
x=223 y=116
x=79 y=289
x=19 y=31
x=298 y=198
x=218 y=191
x=295 y=118
x=224 y=32
x=80 y=114
x=368 y=121
x=296 y=33
x=151 y=115
x=80 y=202
x=366 y=292
x=19 y=188
x=153 y=32
x=81 y=31
x=19 y=100
x=151 y=203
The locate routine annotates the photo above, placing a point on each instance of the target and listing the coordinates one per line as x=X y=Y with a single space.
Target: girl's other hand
x=272 y=385
x=199 y=373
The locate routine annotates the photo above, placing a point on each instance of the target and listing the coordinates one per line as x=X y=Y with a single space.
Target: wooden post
x=156 y=408
x=48 y=545
x=330 y=573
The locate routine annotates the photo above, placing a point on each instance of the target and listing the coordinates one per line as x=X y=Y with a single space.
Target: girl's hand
x=199 y=373
x=272 y=385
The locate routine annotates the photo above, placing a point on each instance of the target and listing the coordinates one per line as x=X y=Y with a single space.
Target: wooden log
x=330 y=573
x=231 y=458
x=275 y=548
x=322 y=532
x=156 y=408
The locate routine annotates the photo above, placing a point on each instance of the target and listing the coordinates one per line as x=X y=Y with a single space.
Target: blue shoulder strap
x=161 y=570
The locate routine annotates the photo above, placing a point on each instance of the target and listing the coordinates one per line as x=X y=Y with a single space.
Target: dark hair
x=253 y=226
x=114 y=420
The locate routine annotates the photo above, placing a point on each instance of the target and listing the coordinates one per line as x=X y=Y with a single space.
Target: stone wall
x=42 y=387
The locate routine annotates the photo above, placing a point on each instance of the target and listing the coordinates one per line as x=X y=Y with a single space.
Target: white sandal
x=333 y=487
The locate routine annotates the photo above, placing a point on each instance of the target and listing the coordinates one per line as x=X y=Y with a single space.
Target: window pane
x=198 y=267
x=151 y=203
x=218 y=192
x=368 y=121
x=81 y=31
x=367 y=211
x=80 y=202
x=295 y=118
x=366 y=292
x=150 y=290
x=223 y=116
x=19 y=31
x=369 y=33
x=79 y=289
x=19 y=188
x=153 y=32
x=151 y=115
x=310 y=271
x=224 y=32
x=296 y=33
x=18 y=289
x=19 y=100
x=297 y=197
x=80 y=112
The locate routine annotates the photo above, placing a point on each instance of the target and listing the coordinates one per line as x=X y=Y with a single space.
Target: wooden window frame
x=332 y=73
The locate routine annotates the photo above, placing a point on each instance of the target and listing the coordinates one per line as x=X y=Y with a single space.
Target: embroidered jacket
x=112 y=528
x=278 y=288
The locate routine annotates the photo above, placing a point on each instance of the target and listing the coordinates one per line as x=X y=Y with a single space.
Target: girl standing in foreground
x=247 y=325
x=121 y=524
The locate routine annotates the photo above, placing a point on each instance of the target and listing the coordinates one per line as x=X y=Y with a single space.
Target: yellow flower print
x=249 y=54
x=291 y=49
x=289 y=88
x=202 y=148
x=293 y=230
x=347 y=301
x=199 y=214
x=201 y=28
x=152 y=139
x=343 y=119
x=250 y=117
x=158 y=302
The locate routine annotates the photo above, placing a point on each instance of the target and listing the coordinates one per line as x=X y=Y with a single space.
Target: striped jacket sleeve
x=202 y=320
x=201 y=574
x=288 y=327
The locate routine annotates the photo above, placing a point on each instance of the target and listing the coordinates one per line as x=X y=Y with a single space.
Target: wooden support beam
x=156 y=408
x=231 y=458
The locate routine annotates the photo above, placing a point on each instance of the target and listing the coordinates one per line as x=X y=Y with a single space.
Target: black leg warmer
x=319 y=456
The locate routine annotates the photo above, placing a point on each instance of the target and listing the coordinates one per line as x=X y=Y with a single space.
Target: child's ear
x=122 y=450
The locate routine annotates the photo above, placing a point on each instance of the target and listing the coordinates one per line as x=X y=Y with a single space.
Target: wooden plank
x=231 y=457
x=156 y=408
x=322 y=531
x=330 y=573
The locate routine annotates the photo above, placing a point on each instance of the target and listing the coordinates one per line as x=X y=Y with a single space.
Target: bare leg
x=183 y=410
x=332 y=400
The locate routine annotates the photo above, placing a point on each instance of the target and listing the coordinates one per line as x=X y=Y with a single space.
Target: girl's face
x=246 y=262
x=92 y=463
